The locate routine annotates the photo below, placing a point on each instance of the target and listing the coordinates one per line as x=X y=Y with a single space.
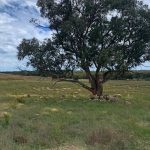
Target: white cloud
x=5 y=18
x=31 y=2
x=4 y=2
x=146 y=2
x=15 y=25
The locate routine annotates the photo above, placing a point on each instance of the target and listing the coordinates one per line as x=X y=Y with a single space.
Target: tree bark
x=97 y=87
x=100 y=90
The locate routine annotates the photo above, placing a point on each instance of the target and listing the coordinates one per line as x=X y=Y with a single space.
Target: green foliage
x=6 y=118
x=107 y=35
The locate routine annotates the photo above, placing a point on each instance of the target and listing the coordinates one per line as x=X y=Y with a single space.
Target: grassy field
x=36 y=116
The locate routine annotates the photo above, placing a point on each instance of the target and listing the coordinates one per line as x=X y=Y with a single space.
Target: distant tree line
x=133 y=75
x=137 y=75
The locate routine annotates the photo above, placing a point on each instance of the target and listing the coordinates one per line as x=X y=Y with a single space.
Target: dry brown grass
x=108 y=138
x=101 y=136
x=63 y=117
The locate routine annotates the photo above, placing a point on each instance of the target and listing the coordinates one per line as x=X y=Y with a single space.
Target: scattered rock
x=117 y=95
x=112 y=99
x=69 y=112
x=74 y=96
x=76 y=92
x=92 y=97
x=127 y=103
x=104 y=98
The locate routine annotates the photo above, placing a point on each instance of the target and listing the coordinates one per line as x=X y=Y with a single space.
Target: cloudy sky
x=15 y=16
x=15 y=25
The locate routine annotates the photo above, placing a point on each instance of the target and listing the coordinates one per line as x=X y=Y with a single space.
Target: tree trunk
x=100 y=90
x=97 y=87
x=96 y=83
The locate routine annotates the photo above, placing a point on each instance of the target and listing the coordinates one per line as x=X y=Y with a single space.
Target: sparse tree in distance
x=106 y=36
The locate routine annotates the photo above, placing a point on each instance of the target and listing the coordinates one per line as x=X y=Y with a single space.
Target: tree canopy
x=102 y=35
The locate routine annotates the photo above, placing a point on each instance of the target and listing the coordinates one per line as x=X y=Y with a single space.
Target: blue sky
x=15 y=25
x=15 y=16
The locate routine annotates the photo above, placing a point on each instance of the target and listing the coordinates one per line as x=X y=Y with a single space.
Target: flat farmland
x=34 y=115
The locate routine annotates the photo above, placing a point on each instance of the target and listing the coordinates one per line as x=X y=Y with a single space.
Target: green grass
x=34 y=115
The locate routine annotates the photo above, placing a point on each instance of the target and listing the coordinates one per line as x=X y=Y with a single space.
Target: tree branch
x=73 y=81
x=37 y=24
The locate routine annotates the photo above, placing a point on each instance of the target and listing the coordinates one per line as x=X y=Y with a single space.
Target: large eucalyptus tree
x=102 y=35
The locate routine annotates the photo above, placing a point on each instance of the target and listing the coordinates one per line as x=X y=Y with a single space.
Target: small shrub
x=28 y=95
x=109 y=138
x=6 y=118
x=20 y=139
x=102 y=136
x=20 y=100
